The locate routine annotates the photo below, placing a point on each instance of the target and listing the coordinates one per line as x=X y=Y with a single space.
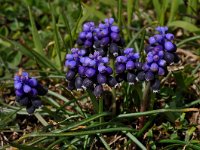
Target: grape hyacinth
x=161 y=52
x=86 y=37
x=126 y=66
x=88 y=72
x=28 y=90
x=104 y=38
x=107 y=37
x=88 y=65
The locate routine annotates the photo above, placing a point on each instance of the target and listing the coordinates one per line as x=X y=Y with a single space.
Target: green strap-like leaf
x=185 y=25
x=77 y=133
x=151 y=112
x=57 y=46
x=36 y=37
x=42 y=60
x=136 y=141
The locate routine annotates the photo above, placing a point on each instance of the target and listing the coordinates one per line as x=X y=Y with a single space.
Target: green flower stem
x=114 y=102
x=146 y=126
x=113 y=89
x=144 y=104
x=152 y=101
x=152 y=112
x=100 y=109
x=94 y=101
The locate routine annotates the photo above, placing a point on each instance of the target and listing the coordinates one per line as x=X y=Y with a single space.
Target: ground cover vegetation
x=99 y=74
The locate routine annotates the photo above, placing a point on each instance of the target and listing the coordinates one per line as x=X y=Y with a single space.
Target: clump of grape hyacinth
x=161 y=52
x=28 y=90
x=89 y=64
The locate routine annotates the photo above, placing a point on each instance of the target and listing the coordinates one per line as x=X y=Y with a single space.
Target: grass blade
x=192 y=9
x=110 y=3
x=163 y=12
x=78 y=21
x=151 y=112
x=130 y=11
x=104 y=143
x=66 y=22
x=41 y=119
x=171 y=146
x=36 y=141
x=173 y=10
x=130 y=6
x=57 y=46
x=93 y=11
x=94 y=101
x=141 y=49
x=51 y=146
x=36 y=38
x=24 y=147
x=87 y=120
x=188 y=40
x=185 y=25
x=8 y=118
x=51 y=101
x=104 y=124
x=58 y=96
x=183 y=143
x=120 y=13
x=193 y=103
x=136 y=141
x=146 y=126
x=42 y=60
x=135 y=37
x=77 y=133
x=157 y=8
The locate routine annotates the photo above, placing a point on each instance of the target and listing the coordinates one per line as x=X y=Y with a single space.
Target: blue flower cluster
x=88 y=65
x=106 y=33
x=127 y=65
x=88 y=71
x=27 y=91
x=86 y=37
x=160 y=53
x=104 y=38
